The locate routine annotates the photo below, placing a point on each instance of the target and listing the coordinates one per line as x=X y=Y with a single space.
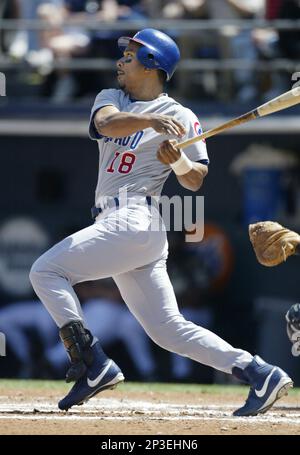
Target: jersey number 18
x=125 y=165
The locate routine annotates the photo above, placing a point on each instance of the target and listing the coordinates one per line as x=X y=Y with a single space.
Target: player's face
x=129 y=69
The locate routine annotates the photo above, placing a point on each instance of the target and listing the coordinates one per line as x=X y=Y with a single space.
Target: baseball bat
x=279 y=103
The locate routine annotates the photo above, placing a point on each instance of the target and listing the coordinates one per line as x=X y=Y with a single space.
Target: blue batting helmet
x=158 y=50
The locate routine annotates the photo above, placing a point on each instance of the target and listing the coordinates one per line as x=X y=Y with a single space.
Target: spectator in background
x=229 y=41
x=238 y=43
x=289 y=40
x=77 y=41
x=197 y=44
x=272 y=8
x=183 y=9
x=26 y=40
x=9 y=9
x=274 y=43
x=23 y=324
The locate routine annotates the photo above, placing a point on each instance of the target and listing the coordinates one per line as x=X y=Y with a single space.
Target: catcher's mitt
x=272 y=242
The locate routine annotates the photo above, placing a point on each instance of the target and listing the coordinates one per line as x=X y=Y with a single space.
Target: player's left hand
x=167 y=153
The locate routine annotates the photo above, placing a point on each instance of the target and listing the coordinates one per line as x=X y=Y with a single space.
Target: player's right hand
x=165 y=124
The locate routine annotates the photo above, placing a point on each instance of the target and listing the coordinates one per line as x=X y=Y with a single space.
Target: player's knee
x=36 y=271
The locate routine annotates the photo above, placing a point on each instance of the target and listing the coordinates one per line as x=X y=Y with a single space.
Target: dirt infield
x=148 y=412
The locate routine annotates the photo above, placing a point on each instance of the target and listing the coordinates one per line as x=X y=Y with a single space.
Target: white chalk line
x=113 y=409
x=249 y=420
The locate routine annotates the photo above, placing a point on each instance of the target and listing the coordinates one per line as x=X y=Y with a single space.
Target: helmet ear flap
x=147 y=58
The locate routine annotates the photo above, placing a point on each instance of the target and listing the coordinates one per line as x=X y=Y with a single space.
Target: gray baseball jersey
x=130 y=162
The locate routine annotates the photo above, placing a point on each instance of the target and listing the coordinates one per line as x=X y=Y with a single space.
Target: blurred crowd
x=73 y=34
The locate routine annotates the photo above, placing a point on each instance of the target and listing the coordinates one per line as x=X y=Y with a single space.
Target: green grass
x=130 y=387
x=31 y=384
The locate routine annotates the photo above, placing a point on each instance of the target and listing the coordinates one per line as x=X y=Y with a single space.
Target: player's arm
x=193 y=179
x=109 y=121
x=190 y=174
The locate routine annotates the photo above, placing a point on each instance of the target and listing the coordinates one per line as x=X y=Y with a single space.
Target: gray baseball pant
x=122 y=245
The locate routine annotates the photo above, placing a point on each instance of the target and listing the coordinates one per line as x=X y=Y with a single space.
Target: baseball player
x=134 y=127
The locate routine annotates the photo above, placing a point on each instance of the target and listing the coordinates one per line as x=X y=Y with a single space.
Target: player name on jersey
x=127 y=141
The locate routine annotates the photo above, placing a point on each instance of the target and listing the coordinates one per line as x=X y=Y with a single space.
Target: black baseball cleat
x=268 y=384
x=100 y=376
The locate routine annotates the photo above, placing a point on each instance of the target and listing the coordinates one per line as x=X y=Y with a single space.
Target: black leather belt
x=112 y=202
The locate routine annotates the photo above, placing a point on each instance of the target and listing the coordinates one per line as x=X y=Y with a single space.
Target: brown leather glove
x=272 y=242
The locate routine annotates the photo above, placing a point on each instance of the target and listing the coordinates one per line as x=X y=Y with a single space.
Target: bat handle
x=185 y=144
